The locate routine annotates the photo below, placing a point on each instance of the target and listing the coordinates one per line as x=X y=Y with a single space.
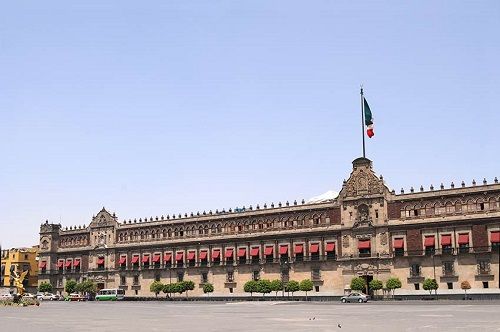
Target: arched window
x=493 y=203
x=429 y=210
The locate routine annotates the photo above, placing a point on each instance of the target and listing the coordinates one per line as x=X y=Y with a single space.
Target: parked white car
x=28 y=296
x=47 y=297
x=6 y=297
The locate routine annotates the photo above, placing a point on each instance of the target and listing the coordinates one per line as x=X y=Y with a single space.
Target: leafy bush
x=208 y=288
x=70 y=286
x=376 y=285
x=276 y=286
x=45 y=287
x=177 y=287
x=292 y=286
x=251 y=287
x=465 y=285
x=168 y=289
x=306 y=285
x=28 y=301
x=358 y=284
x=186 y=286
x=264 y=286
x=393 y=284
x=87 y=286
x=156 y=287
x=430 y=285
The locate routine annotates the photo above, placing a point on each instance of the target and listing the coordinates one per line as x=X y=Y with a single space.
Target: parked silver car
x=355 y=297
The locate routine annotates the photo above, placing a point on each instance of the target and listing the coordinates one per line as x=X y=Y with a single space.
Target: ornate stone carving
x=345 y=241
x=363 y=217
x=44 y=244
x=364 y=236
x=383 y=238
x=364 y=266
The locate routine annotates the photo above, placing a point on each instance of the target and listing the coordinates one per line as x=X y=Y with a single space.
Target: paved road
x=252 y=316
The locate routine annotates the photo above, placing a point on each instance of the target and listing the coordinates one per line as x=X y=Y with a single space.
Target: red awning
x=123 y=260
x=179 y=256
x=68 y=263
x=429 y=241
x=314 y=248
x=191 y=255
x=242 y=252
x=398 y=243
x=100 y=261
x=145 y=259
x=215 y=253
x=203 y=254
x=77 y=263
x=283 y=249
x=445 y=240
x=135 y=259
x=167 y=257
x=364 y=244
x=254 y=252
x=60 y=263
x=299 y=248
x=229 y=253
x=463 y=238
x=268 y=251
x=156 y=258
x=495 y=237
x=43 y=264
x=330 y=246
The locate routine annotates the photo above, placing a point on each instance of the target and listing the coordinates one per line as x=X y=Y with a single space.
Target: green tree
x=208 y=288
x=376 y=285
x=358 y=284
x=87 y=286
x=187 y=285
x=465 y=285
x=264 y=286
x=251 y=287
x=393 y=284
x=178 y=287
x=168 y=289
x=156 y=287
x=45 y=287
x=276 y=286
x=430 y=285
x=292 y=286
x=70 y=286
x=306 y=285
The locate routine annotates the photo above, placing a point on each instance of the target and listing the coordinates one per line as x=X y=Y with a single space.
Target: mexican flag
x=368 y=119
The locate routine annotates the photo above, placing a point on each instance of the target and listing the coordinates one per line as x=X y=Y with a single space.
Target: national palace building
x=450 y=234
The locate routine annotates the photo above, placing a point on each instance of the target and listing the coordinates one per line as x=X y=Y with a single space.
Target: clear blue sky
x=162 y=107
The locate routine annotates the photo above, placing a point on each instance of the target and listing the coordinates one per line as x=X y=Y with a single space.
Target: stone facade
x=447 y=234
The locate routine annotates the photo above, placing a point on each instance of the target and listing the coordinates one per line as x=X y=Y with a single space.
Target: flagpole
x=363 y=121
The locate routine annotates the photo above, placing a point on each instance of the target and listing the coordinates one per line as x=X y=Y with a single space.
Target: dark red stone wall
x=480 y=237
x=394 y=210
x=414 y=240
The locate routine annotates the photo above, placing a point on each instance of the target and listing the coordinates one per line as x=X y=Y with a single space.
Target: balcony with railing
x=448 y=271
x=483 y=269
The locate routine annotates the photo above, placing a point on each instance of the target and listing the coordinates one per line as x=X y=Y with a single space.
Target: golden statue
x=18 y=281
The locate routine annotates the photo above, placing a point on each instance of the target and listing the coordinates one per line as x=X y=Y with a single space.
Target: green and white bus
x=110 y=295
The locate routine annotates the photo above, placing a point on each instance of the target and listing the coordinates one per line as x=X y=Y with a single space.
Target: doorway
x=100 y=285
x=368 y=290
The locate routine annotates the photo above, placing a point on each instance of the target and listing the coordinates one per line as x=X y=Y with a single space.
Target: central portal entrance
x=368 y=290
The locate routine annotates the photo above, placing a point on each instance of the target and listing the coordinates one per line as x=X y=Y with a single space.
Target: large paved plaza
x=252 y=316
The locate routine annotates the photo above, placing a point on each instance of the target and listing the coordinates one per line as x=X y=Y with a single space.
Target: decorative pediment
x=103 y=219
x=362 y=181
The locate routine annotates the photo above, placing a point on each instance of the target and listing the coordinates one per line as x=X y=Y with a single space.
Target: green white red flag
x=368 y=119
